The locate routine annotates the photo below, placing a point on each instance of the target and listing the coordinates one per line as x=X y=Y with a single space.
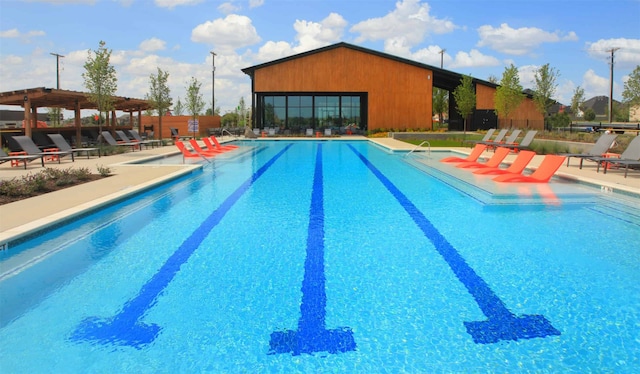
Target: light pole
x=213 y=83
x=57 y=68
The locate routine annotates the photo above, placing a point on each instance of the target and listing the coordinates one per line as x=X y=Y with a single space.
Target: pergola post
x=78 y=123
x=27 y=116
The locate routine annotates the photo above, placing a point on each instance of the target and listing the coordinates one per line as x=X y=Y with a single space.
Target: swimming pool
x=329 y=256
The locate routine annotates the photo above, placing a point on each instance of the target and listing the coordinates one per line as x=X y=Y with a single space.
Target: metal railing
x=418 y=147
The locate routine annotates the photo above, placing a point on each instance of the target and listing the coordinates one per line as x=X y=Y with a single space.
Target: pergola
x=33 y=98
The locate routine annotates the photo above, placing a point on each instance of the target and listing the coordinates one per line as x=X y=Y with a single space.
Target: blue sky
x=480 y=38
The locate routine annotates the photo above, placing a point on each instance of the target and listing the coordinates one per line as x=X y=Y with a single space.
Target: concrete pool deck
x=27 y=216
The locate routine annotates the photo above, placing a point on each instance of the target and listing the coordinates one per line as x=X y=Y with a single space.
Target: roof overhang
x=54 y=98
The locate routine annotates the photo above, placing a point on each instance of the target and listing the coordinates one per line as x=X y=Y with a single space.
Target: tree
x=194 y=101
x=55 y=116
x=440 y=102
x=100 y=79
x=242 y=109
x=544 y=89
x=589 y=115
x=493 y=79
x=465 y=97
x=159 y=96
x=178 y=109
x=577 y=101
x=509 y=93
x=631 y=92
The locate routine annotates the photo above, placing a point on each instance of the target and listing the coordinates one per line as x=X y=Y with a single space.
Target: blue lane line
x=501 y=324
x=125 y=328
x=312 y=335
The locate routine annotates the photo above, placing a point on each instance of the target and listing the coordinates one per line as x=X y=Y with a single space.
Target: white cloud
x=229 y=33
x=174 y=3
x=407 y=25
x=311 y=35
x=519 y=41
x=594 y=85
x=26 y=37
x=274 y=50
x=473 y=58
x=228 y=8
x=153 y=44
x=255 y=3
x=627 y=55
x=13 y=33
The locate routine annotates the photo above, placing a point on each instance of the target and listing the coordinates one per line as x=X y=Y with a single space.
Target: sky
x=479 y=38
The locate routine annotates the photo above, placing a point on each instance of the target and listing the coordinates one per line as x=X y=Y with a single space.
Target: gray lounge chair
x=501 y=134
x=630 y=157
x=486 y=137
x=62 y=145
x=136 y=137
x=510 y=140
x=600 y=147
x=32 y=149
x=524 y=144
x=109 y=139
x=4 y=157
x=123 y=137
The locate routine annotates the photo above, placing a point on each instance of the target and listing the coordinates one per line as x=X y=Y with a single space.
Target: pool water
x=330 y=256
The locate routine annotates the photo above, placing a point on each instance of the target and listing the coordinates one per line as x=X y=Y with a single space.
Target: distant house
x=13 y=118
x=599 y=105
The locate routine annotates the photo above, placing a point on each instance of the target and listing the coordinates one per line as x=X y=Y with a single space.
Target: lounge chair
x=548 y=167
x=31 y=149
x=501 y=134
x=511 y=139
x=107 y=137
x=309 y=132
x=16 y=159
x=600 y=147
x=62 y=145
x=524 y=144
x=493 y=162
x=486 y=137
x=186 y=153
x=210 y=147
x=327 y=132
x=630 y=157
x=473 y=156
x=125 y=139
x=516 y=167
x=138 y=138
x=222 y=147
x=196 y=147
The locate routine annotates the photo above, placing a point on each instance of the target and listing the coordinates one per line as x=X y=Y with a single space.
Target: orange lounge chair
x=518 y=165
x=196 y=147
x=185 y=152
x=217 y=143
x=548 y=167
x=211 y=147
x=493 y=162
x=473 y=156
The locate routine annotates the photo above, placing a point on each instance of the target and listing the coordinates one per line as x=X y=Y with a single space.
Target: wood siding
x=182 y=124
x=524 y=117
x=399 y=94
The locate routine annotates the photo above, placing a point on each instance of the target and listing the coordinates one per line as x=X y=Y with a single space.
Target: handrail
x=230 y=134
x=418 y=146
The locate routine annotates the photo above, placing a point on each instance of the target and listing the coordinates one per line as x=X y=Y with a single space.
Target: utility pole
x=213 y=83
x=612 y=51
x=442 y=57
x=57 y=69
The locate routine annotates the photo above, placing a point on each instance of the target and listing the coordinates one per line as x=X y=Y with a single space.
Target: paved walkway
x=26 y=216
